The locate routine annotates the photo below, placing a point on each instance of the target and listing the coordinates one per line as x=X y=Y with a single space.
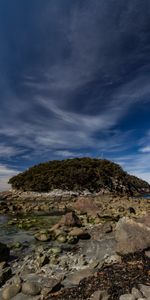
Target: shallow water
x=10 y=234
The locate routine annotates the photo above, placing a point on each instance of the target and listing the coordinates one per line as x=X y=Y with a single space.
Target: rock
x=4 y=252
x=80 y=233
x=70 y=219
x=86 y=205
x=55 y=250
x=62 y=238
x=21 y=296
x=100 y=295
x=136 y=293
x=131 y=236
x=107 y=228
x=76 y=277
x=5 y=274
x=43 y=236
x=147 y=253
x=11 y=291
x=145 y=290
x=113 y=259
x=127 y=297
x=53 y=285
x=42 y=260
x=31 y=288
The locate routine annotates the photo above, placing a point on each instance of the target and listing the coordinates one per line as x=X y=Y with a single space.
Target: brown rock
x=70 y=219
x=86 y=205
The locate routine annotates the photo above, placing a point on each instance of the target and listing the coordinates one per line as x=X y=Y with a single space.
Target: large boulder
x=132 y=235
x=86 y=205
x=4 y=252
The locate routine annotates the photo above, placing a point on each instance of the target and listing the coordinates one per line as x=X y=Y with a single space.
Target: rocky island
x=98 y=245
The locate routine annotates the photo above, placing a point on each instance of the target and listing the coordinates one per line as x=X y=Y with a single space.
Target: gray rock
x=11 y=291
x=132 y=236
x=127 y=297
x=31 y=288
x=76 y=277
x=135 y=292
x=145 y=290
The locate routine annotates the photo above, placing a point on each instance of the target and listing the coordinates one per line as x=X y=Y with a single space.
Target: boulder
x=132 y=235
x=86 y=205
x=70 y=219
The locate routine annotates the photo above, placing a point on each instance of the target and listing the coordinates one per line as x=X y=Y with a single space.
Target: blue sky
x=74 y=81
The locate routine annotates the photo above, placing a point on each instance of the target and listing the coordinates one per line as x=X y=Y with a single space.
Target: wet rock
x=132 y=236
x=31 y=288
x=21 y=296
x=70 y=219
x=43 y=236
x=53 y=285
x=4 y=252
x=11 y=291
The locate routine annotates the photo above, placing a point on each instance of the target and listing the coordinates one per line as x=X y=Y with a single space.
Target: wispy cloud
x=5 y=174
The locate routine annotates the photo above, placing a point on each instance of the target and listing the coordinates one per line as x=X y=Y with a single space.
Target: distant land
x=79 y=174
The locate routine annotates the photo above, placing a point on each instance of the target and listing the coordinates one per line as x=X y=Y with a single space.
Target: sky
x=74 y=82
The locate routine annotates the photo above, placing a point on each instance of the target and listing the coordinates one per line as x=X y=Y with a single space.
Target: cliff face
x=79 y=174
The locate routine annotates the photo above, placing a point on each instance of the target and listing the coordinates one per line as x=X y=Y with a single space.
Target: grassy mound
x=78 y=174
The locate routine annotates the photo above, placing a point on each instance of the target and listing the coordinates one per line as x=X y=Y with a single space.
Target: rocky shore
x=98 y=249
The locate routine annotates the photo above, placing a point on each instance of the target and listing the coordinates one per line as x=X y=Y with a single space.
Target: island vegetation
x=78 y=174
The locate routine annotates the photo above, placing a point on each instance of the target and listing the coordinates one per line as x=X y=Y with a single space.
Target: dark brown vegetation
x=117 y=279
x=78 y=174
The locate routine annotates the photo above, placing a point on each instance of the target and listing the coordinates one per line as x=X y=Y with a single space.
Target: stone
x=76 y=277
x=86 y=205
x=43 y=236
x=70 y=219
x=31 y=288
x=80 y=233
x=4 y=252
x=53 y=285
x=147 y=253
x=55 y=250
x=145 y=290
x=135 y=292
x=62 y=238
x=42 y=260
x=11 y=291
x=100 y=295
x=131 y=236
x=127 y=297
x=113 y=259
